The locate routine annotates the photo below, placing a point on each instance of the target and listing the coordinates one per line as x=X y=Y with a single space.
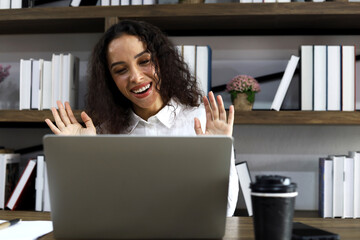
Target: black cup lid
x=273 y=184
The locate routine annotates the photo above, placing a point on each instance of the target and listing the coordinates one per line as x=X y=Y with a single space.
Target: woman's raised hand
x=66 y=123
x=217 y=123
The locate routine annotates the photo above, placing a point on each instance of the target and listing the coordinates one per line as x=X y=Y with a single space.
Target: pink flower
x=243 y=83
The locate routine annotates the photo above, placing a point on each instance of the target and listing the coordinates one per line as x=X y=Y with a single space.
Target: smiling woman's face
x=132 y=70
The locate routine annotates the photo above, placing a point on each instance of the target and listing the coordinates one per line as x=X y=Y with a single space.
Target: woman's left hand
x=217 y=123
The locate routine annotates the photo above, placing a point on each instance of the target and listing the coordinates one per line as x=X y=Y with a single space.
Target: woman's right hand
x=66 y=123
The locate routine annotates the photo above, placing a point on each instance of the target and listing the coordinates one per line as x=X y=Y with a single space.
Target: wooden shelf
x=251 y=117
x=298 y=117
x=193 y=19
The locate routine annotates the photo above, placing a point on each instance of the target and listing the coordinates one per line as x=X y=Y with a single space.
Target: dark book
x=23 y=196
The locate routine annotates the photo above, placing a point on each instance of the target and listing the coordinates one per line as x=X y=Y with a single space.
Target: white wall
x=288 y=150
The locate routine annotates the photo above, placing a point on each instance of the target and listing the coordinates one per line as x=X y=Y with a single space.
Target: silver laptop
x=131 y=187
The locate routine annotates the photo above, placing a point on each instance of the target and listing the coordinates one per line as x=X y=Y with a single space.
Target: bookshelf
x=335 y=17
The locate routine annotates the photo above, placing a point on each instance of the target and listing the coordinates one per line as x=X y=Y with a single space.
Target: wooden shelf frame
x=192 y=19
x=335 y=17
x=32 y=117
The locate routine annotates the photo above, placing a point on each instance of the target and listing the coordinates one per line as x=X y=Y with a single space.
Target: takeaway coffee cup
x=273 y=200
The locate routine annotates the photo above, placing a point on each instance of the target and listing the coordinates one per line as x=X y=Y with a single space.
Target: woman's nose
x=136 y=75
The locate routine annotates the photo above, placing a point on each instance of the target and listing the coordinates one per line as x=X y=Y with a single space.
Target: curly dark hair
x=108 y=108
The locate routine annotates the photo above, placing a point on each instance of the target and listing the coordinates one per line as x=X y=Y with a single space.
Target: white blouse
x=178 y=120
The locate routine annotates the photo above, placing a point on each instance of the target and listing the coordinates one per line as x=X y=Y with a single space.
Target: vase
x=241 y=103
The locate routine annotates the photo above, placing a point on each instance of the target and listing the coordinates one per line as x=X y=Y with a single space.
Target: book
x=320 y=78
x=189 y=56
x=25 y=84
x=356 y=156
x=245 y=181
x=9 y=175
x=306 y=77
x=136 y=2
x=115 y=3
x=338 y=185
x=284 y=83
x=348 y=209
x=55 y=79
x=325 y=187
x=70 y=80
x=46 y=199
x=203 y=68
x=77 y=3
x=16 y=4
x=333 y=78
x=348 y=78
x=46 y=85
x=105 y=2
x=125 y=2
x=23 y=196
x=5 y=4
x=35 y=85
x=39 y=183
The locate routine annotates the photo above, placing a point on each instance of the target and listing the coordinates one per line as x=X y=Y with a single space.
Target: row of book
x=23 y=189
x=199 y=60
x=339 y=186
x=43 y=82
x=328 y=78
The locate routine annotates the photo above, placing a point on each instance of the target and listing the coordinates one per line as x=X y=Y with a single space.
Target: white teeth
x=142 y=89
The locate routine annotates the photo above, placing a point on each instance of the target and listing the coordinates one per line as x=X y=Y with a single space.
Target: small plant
x=243 y=84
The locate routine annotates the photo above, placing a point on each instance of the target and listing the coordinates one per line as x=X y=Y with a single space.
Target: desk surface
x=236 y=227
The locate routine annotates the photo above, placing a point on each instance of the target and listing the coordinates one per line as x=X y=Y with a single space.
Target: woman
x=139 y=85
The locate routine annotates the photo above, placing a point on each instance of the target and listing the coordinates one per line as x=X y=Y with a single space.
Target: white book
x=65 y=78
x=47 y=85
x=338 y=185
x=348 y=78
x=16 y=4
x=257 y=1
x=269 y=1
x=307 y=77
x=189 y=55
x=9 y=173
x=333 y=78
x=115 y=2
x=284 y=83
x=105 y=2
x=328 y=191
x=148 y=2
x=39 y=183
x=283 y=1
x=41 y=66
x=246 y=1
x=125 y=2
x=348 y=211
x=75 y=3
x=47 y=205
x=35 y=85
x=320 y=78
x=70 y=79
x=25 y=177
x=136 y=2
x=244 y=181
x=55 y=79
x=25 y=84
x=203 y=68
x=356 y=189
x=5 y=4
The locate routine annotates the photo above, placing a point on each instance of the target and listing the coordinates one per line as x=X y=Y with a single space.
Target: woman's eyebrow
x=136 y=56
x=139 y=54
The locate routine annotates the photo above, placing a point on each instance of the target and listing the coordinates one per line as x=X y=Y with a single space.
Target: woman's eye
x=120 y=71
x=143 y=62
